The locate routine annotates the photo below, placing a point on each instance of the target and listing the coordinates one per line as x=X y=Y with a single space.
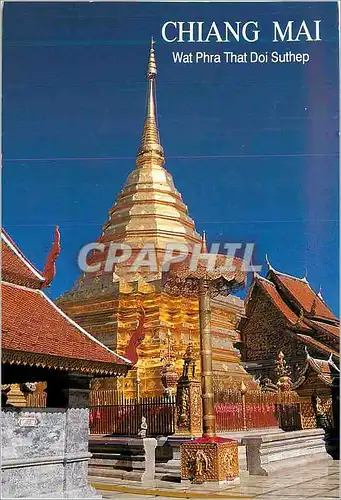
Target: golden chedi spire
x=150 y=142
x=149 y=209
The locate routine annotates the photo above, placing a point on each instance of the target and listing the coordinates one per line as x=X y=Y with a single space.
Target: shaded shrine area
x=45 y=450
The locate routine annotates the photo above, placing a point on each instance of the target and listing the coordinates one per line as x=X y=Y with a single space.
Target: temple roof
x=15 y=266
x=270 y=289
x=301 y=292
x=307 y=315
x=37 y=333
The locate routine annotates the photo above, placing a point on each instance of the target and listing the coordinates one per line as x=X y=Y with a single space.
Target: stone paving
x=316 y=481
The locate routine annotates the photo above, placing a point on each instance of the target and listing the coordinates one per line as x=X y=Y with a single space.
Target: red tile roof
x=15 y=267
x=32 y=323
x=301 y=291
x=271 y=291
x=36 y=331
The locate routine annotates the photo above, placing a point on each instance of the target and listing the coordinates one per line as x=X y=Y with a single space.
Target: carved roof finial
x=270 y=268
x=331 y=363
x=320 y=293
x=305 y=277
x=50 y=264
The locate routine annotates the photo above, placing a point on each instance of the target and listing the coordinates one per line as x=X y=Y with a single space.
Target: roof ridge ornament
x=320 y=293
x=331 y=363
x=305 y=277
x=50 y=264
x=270 y=268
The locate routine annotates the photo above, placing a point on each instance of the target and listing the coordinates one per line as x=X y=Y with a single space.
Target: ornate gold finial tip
x=203 y=242
x=152 y=71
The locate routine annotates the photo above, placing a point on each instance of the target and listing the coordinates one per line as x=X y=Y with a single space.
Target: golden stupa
x=109 y=305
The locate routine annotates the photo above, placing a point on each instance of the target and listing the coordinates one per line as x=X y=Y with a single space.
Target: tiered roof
x=36 y=332
x=300 y=293
x=305 y=312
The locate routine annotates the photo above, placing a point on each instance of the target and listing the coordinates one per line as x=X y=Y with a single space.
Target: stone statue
x=143 y=429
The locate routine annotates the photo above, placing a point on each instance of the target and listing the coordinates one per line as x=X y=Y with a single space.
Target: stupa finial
x=150 y=147
x=152 y=70
x=203 y=243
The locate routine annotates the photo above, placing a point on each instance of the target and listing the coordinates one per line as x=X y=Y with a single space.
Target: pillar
x=188 y=408
x=206 y=358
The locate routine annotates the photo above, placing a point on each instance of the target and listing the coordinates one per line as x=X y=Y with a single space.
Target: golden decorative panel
x=210 y=460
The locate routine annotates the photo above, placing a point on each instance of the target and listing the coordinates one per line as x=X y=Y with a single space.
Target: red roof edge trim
x=84 y=332
x=303 y=280
x=50 y=361
x=13 y=246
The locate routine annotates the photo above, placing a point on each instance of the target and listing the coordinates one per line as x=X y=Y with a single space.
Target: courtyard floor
x=318 y=480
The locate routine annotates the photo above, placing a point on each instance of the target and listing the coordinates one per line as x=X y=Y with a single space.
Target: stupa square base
x=210 y=460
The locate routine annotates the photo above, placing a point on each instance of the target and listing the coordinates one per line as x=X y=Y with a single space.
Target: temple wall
x=45 y=453
x=263 y=336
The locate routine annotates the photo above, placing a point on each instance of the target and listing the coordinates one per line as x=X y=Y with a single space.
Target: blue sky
x=252 y=148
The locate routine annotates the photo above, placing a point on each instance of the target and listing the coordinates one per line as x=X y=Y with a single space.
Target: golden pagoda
x=110 y=304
